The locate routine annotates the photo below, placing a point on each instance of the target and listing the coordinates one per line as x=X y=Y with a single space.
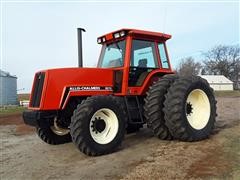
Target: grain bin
x=8 y=89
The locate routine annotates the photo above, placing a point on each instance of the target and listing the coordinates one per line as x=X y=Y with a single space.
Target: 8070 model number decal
x=90 y=88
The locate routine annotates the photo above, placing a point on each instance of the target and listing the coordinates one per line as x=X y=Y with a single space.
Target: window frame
x=156 y=57
x=100 y=59
x=166 y=53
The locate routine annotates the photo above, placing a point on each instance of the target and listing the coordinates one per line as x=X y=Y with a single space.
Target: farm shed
x=8 y=89
x=219 y=82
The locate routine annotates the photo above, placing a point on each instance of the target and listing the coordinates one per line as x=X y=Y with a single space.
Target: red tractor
x=133 y=84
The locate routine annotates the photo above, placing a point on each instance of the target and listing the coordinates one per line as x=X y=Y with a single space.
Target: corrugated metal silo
x=8 y=89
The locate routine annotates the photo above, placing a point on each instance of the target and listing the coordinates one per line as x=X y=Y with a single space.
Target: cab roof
x=138 y=33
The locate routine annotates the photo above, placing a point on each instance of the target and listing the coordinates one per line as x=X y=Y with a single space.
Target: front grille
x=37 y=89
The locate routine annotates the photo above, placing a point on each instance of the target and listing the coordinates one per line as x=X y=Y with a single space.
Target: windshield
x=112 y=55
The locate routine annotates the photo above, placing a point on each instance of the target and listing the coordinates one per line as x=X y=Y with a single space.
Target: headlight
x=99 y=40
x=116 y=35
x=103 y=39
x=122 y=33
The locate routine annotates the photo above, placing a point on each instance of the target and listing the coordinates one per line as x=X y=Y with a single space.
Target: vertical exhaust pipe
x=80 y=58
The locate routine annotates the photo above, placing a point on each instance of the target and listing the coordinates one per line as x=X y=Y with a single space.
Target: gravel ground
x=142 y=156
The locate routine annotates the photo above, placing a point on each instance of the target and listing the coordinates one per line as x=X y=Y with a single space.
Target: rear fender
x=152 y=77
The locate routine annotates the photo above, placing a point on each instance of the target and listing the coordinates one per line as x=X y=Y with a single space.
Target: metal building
x=219 y=82
x=8 y=89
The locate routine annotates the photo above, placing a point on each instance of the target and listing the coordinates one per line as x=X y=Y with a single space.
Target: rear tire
x=190 y=109
x=98 y=125
x=154 y=107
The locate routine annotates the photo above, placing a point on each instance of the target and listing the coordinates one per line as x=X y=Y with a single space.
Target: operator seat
x=142 y=71
x=142 y=63
x=114 y=63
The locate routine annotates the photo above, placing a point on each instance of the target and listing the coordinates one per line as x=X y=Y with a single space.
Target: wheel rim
x=103 y=126
x=58 y=130
x=197 y=109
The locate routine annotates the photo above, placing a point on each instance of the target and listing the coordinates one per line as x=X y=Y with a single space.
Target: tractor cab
x=134 y=54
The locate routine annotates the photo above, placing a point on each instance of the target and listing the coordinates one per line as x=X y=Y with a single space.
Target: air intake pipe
x=80 y=58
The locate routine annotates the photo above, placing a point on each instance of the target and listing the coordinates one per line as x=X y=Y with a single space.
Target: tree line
x=220 y=60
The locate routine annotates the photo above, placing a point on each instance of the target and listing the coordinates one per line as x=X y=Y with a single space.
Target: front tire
x=54 y=134
x=190 y=109
x=98 y=125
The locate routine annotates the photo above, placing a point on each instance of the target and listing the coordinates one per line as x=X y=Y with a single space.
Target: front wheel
x=98 y=125
x=54 y=134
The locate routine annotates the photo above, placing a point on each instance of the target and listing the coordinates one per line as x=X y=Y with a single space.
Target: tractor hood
x=52 y=88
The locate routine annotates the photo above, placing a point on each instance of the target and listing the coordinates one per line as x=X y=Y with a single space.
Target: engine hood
x=64 y=82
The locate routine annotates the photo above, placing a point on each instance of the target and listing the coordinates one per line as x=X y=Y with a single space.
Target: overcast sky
x=39 y=36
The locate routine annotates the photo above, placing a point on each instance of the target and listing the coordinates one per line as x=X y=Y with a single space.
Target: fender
x=151 y=78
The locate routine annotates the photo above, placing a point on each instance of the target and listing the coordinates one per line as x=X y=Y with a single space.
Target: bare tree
x=188 y=66
x=223 y=60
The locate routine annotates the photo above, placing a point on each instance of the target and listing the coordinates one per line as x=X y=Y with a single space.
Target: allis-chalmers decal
x=90 y=88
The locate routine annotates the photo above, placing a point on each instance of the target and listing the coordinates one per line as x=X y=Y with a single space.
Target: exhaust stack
x=80 y=58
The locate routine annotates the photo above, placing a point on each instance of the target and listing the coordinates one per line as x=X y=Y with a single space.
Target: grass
x=14 y=110
x=11 y=110
x=235 y=93
x=22 y=97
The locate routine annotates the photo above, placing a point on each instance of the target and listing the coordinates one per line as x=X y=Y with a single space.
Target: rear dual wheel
x=190 y=109
x=183 y=108
x=153 y=108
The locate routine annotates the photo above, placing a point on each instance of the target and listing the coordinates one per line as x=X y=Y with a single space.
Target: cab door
x=143 y=61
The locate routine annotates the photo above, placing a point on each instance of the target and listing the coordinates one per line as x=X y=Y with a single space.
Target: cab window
x=163 y=56
x=143 y=61
x=143 y=54
x=112 y=55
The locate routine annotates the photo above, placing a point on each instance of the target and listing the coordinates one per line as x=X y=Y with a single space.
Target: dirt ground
x=141 y=156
